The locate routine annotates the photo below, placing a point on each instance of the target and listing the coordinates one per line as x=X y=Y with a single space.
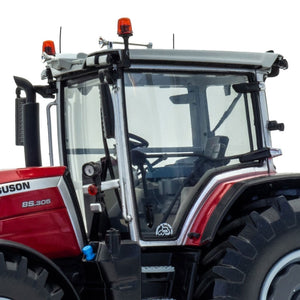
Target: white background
x=256 y=26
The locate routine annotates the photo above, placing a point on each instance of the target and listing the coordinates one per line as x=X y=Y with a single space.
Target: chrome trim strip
x=59 y=122
x=105 y=185
x=128 y=208
x=49 y=123
x=110 y=184
x=65 y=194
x=120 y=147
x=264 y=115
x=189 y=68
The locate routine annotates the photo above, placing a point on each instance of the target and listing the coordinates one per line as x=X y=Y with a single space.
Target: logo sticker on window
x=164 y=229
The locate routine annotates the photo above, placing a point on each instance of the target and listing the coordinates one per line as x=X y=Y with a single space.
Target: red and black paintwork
x=213 y=199
x=37 y=210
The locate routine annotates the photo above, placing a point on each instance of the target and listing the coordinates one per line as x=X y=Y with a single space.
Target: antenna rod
x=60 y=30
x=173 y=40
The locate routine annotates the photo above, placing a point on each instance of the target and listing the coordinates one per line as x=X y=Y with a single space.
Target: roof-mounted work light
x=49 y=48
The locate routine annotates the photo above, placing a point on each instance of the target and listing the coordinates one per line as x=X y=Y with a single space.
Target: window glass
x=180 y=127
x=84 y=143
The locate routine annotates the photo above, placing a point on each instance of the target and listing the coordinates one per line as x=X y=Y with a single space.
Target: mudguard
x=287 y=184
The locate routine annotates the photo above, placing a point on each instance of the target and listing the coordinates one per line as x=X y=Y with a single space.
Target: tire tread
x=229 y=263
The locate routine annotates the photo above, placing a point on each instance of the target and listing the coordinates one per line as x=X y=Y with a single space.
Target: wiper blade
x=260 y=154
x=227 y=112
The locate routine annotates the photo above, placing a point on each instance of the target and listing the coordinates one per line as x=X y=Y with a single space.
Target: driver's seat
x=214 y=150
x=216 y=146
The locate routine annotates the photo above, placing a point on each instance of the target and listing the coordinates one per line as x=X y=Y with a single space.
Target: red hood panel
x=30 y=173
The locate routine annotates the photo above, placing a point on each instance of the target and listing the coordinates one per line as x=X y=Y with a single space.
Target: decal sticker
x=164 y=229
x=21 y=186
x=29 y=185
x=36 y=203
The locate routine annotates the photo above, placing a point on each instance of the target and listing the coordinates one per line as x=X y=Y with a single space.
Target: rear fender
x=265 y=187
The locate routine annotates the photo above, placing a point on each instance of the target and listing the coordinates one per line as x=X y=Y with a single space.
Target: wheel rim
x=283 y=280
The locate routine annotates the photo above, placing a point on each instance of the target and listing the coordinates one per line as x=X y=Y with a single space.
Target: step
x=158 y=269
x=158 y=299
x=157 y=282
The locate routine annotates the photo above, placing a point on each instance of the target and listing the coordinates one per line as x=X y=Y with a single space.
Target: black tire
x=261 y=262
x=20 y=280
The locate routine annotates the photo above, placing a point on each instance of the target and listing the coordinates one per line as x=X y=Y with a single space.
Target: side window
x=84 y=143
x=231 y=114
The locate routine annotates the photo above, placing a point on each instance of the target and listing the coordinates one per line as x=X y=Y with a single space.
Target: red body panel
x=209 y=206
x=30 y=173
x=207 y=210
x=33 y=211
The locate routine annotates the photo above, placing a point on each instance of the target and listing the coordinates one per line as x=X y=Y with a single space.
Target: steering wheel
x=136 y=141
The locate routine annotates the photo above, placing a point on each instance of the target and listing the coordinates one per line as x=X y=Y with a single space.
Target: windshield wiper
x=227 y=112
x=240 y=88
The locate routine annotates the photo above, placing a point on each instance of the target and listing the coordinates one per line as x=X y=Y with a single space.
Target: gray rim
x=283 y=280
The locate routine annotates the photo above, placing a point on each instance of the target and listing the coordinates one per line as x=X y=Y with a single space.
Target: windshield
x=182 y=126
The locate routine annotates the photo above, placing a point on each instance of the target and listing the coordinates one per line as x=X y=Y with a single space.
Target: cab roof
x=62 y=63
x=248 y=59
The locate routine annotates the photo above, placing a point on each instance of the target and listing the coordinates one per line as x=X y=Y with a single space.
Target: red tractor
x=166 y=187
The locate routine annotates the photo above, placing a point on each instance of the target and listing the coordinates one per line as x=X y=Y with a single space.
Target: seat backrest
x=216 y=146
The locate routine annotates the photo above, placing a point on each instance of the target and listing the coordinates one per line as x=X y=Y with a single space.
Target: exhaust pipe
x=30 y=123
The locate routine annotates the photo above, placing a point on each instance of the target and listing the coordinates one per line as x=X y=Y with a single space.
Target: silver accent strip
x=158 y=269
x=262 y=86
x=120 y=147
x=264 y=115
x=96 y=207
x=128 y=208
x=49 y=125
x=59 y=122
x=105 y=185
x=275 y=152
x=143 y=243
x=190 y=68
x=71 y=210
x=35 y=184
x=110 y=184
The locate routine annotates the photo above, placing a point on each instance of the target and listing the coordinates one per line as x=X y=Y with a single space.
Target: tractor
x=165 y=188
